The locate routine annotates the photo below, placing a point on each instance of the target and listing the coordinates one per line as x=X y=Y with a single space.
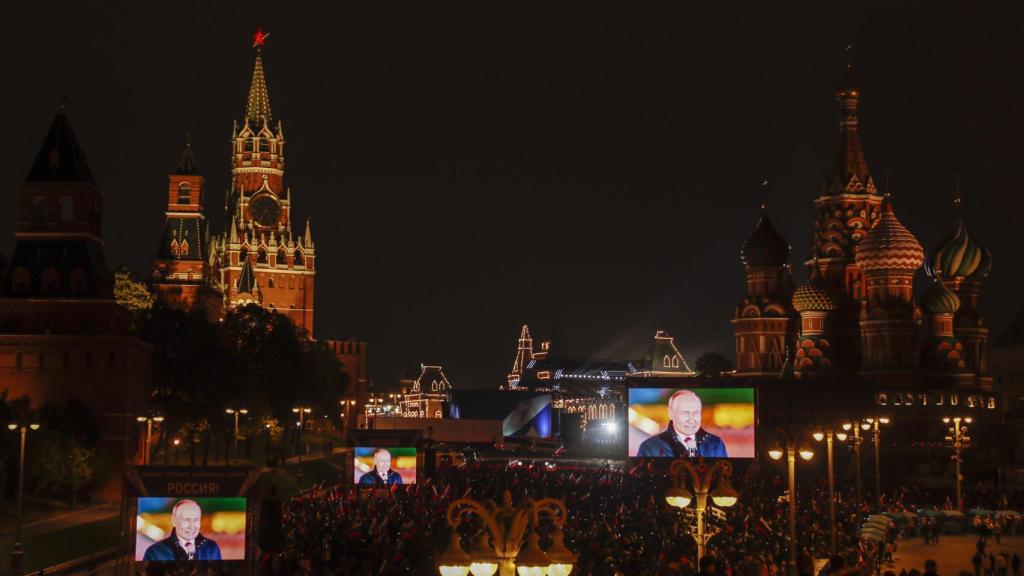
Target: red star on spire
x=259 y=38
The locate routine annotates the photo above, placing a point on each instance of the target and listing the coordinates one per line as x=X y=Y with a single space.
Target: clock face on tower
x=265 y=210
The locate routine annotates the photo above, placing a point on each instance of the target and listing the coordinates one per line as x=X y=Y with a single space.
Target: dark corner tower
x=62 y=335
x=262 y=258
x=182 y=271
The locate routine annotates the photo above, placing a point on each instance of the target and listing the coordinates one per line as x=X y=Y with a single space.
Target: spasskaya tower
x=261 y=258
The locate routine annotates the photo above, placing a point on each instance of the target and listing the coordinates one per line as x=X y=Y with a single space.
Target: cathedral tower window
x=243 y=254
x=298 y=257
x=67 y=209
x=270 y=283
x=261 y=256
x=39 y=209
x=77 y=280
x=184 y=193
x=666 y=362
x=282 y=257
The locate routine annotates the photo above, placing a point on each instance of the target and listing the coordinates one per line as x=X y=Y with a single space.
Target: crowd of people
x=618 y=523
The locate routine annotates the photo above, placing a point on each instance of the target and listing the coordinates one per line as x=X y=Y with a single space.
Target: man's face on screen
x=684 y=411
x=383 y=461
x=186 y=520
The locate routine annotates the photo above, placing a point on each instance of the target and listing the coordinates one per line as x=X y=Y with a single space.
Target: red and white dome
x=889 y=245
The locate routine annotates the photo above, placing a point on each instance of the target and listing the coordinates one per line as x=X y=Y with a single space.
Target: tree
x=60 y=463
x=711 y=364
x=131 y=293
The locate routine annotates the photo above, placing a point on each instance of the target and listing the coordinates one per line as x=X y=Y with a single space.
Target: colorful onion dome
x=765 y=246
x=959 y=255
x=889 y=245
x=815 y=295
x=940 y=300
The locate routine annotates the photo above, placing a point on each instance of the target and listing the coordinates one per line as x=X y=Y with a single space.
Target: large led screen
x=522 y=413
x=199 y=529
x=691 y=422
x=385 y=466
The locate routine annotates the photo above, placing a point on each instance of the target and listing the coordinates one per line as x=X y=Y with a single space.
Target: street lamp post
x=301 y=411
x=828 y=434
x=17 y=554
x=507 y=544
x=792 y=446
x=149 y=434
x=702 y=476
x=236 y=412
x=958 y=440
x=874 y=422
x=857 y=438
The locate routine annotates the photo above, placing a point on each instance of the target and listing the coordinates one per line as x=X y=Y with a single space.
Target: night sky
x=471 y=166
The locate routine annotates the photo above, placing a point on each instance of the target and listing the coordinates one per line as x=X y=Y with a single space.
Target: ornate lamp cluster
x=500 y=544
x=679 y=496
x=957 y=439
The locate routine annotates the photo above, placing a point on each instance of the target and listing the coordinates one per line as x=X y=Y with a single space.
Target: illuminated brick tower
x=763 y=320
x=182 y=271
x=261 y=258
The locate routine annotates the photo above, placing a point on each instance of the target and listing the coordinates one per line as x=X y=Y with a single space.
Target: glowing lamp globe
x=484 y=560
x=454 y=561
x=775 y=453
x=724 y=496
x=819 y=436
x=806 y=453
x=562 y=559
x=841 y=436
x=678 y=497
x=532 y=561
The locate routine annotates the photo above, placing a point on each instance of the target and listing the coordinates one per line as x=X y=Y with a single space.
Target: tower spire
x=187 y=163
x=257 y=108
x=850 y=170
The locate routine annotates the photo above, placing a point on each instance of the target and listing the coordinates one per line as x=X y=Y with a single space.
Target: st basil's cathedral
x=856 y=315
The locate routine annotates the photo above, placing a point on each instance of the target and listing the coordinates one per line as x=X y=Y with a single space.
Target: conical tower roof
x=247 y=279
x=849 y=169
x=187 y=163
x=60 y=158
x=257 y=107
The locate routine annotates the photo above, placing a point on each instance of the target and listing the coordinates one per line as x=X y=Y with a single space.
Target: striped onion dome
x=940 y=300
x=959 y=255
x=889 y=245
x=815 y=295
x=765 y=246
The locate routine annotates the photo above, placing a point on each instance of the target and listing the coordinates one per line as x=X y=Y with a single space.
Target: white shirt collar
x=182 y=542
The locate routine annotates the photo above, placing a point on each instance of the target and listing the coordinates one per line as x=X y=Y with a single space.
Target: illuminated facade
x=856 y=313
x=429 y=396
x=182 y=271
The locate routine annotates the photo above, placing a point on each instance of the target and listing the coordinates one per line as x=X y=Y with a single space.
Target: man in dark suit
x=185 y=541
x=382 y=474
x=684 y=437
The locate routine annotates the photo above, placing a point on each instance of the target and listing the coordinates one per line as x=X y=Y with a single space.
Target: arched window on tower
x=666 y=362
x=282 y=257
x=675 y=361
x=243 y=254
x=39 y=209
x=67 y=209
x=261 y=256
x=298 y=258
x=50 y=280
x=184 y=193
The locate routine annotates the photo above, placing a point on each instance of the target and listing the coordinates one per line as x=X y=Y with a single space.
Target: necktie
x=191 y=550
x=690 y=446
